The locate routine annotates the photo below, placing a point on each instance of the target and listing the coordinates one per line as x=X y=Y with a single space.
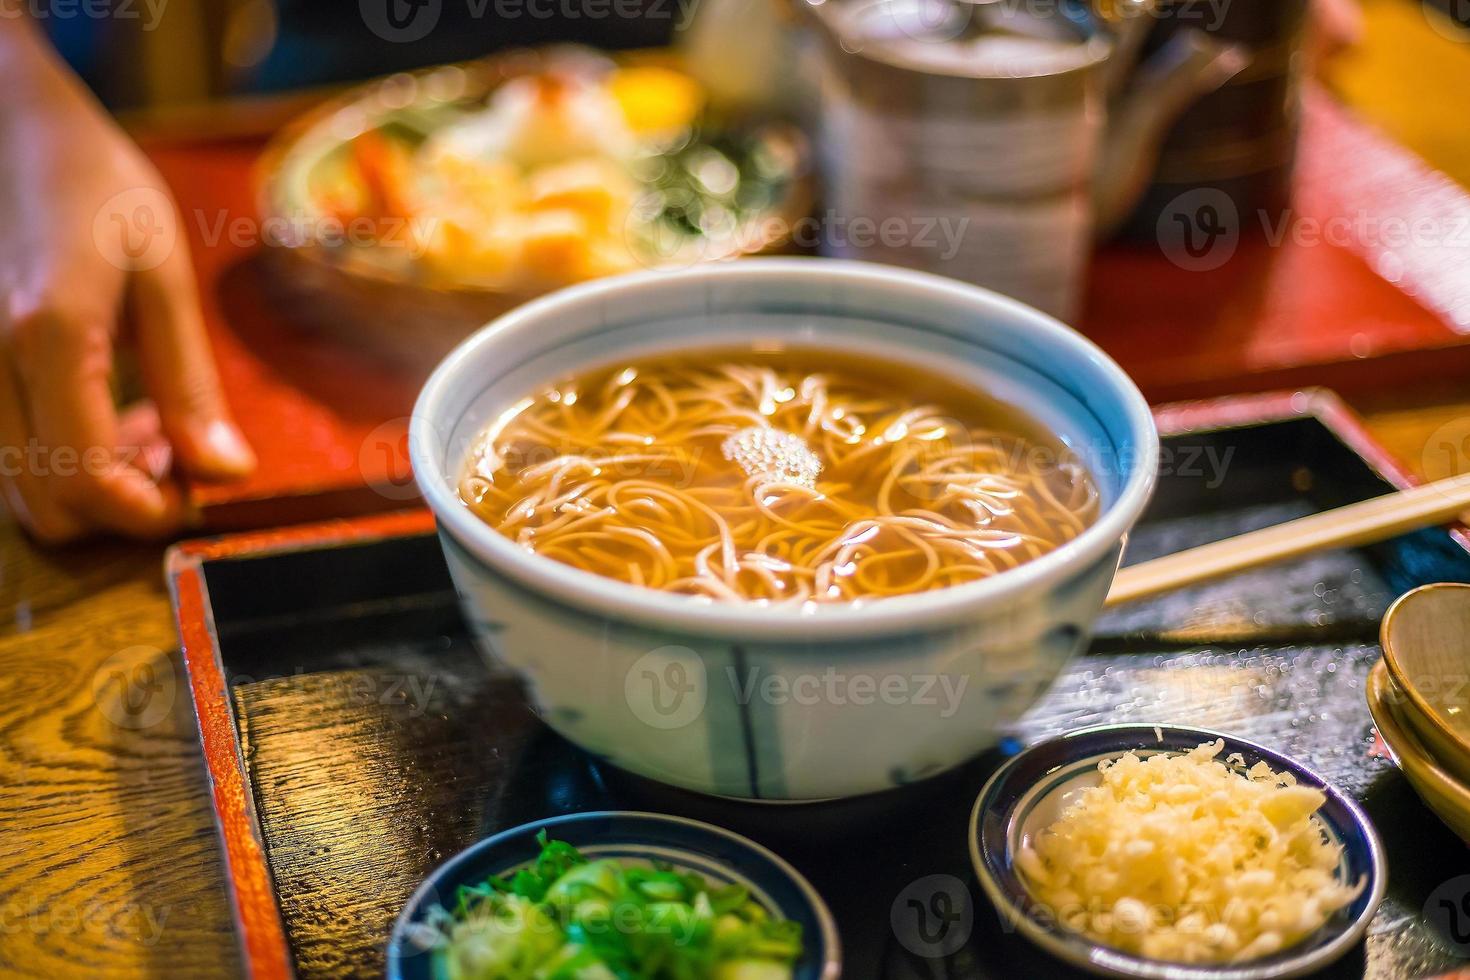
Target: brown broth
x=789 y=474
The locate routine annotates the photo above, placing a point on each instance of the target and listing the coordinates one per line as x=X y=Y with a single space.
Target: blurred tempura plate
x=409 y=211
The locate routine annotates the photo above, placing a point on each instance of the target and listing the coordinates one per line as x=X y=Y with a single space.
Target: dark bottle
x=1240 y=139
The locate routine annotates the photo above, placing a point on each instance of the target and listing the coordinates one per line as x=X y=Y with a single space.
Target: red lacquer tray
x=329 y=422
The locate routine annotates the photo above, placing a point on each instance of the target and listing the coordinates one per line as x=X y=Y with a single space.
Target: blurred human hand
x=1336 y=26
x=92 y=256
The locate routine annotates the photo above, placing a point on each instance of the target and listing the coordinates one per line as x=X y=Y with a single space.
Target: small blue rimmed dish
x=1029 y=791
x=720 y=856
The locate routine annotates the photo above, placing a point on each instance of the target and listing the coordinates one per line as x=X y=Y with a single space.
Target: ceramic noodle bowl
x=782 y=702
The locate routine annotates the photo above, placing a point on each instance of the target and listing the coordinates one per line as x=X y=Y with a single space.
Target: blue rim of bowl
x=1022 y=780
x=680 y=837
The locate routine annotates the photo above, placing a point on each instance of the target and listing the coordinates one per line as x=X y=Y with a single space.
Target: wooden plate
x=1426 y=652
x=383 y=298
x=1448 y=798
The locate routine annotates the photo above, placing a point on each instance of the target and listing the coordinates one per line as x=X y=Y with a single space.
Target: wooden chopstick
x=1343 y=527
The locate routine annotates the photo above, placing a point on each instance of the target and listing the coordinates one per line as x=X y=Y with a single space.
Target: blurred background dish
x=1023 y=131
x=409 y=211
x=1426 y=653
x=1440 y=791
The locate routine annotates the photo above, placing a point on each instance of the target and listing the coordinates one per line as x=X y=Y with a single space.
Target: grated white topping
x=1184 y=859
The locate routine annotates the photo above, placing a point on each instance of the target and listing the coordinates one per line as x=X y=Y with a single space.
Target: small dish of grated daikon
x=1153 y=851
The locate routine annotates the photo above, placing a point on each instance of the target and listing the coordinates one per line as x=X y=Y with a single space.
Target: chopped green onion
x=565 y=917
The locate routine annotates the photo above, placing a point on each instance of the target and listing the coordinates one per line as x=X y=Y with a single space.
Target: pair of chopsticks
x=1362 y=523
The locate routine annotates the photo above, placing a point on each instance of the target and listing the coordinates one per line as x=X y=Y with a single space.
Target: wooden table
x=109 y=863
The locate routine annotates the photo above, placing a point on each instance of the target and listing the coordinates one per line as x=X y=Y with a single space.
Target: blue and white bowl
x=720 y=856
x=765 y=702
x=1029 y=791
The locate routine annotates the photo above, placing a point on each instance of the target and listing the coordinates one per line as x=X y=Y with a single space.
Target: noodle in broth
x=777 y=476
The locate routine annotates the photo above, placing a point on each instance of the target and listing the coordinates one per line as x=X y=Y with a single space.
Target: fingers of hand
x=24 y=491
x=181 y=374
x=58 y=422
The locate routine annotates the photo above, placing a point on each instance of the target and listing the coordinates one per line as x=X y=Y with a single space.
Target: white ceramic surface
x=771 y=702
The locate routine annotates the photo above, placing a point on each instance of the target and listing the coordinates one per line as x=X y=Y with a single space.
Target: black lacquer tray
x=356 y=739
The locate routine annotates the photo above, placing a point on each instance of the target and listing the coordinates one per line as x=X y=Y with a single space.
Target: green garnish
x=568 y=918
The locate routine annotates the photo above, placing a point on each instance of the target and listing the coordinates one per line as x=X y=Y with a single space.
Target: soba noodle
x=777 y=476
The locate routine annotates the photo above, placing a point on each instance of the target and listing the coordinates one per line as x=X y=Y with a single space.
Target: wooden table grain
x=109 y=865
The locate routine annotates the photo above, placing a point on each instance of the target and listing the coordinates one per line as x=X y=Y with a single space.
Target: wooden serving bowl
x=1440 y=791
x=385 y=300
x=1426 y=654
